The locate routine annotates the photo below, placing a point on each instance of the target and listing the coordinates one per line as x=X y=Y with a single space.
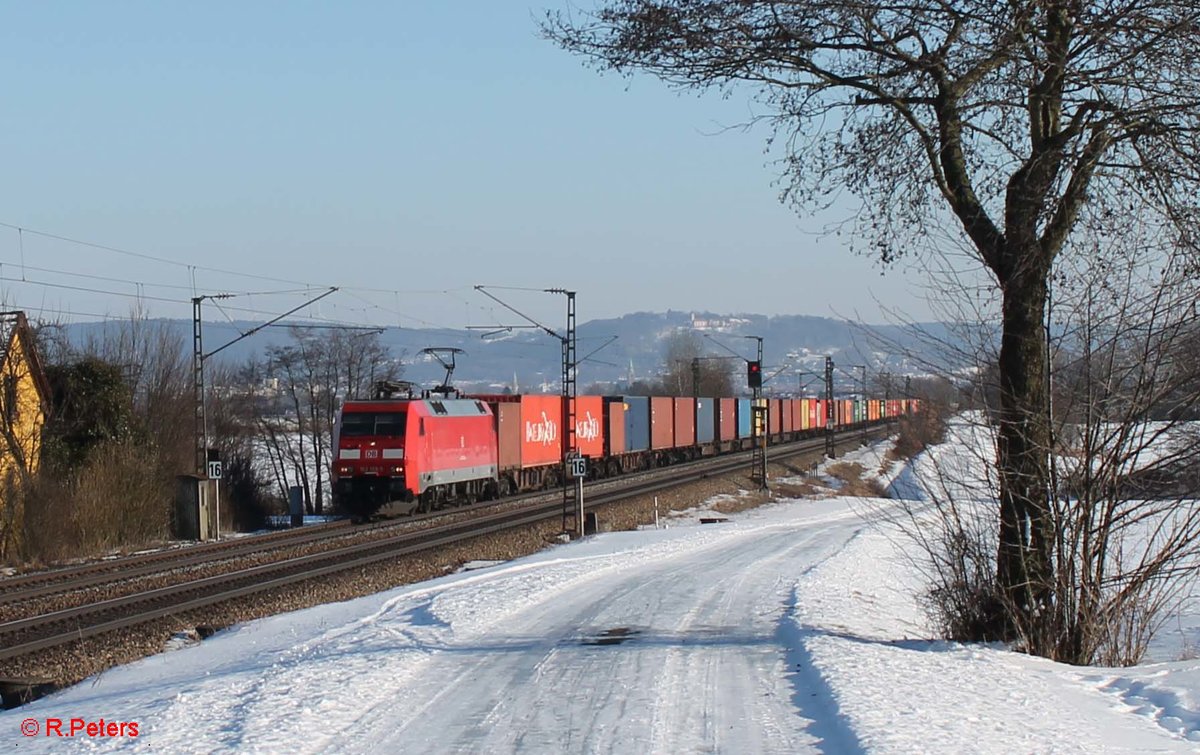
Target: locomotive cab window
x=362 y=423
x=358 y=424
x=390 y=424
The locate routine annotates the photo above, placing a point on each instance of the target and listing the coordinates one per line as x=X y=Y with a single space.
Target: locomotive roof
x=453 y=407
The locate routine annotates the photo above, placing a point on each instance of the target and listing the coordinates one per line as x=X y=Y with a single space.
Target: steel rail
x=220 y=588
x=26 y=586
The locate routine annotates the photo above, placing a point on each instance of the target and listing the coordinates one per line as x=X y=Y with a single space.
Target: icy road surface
x=791 y=629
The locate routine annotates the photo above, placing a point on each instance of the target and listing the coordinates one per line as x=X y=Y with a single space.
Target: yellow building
x=24 y=401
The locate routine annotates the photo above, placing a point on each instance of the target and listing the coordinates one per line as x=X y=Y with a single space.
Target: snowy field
x=791 y=628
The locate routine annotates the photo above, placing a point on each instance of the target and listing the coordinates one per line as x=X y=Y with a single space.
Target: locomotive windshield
x=357 y=424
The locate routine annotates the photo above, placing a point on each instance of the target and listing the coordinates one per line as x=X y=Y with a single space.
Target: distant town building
x=718 y=324
x=24 y=402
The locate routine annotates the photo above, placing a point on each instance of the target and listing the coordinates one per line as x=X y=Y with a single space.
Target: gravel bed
x=70 y=664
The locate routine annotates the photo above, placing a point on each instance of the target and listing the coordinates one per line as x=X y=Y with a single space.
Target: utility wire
x=194 y=288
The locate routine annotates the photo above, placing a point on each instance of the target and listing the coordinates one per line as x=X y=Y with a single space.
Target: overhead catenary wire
x=143 y=288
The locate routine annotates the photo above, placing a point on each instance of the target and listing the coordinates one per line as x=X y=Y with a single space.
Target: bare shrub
x=918 y=431
x=963 y=598
x=109 y=503
x=249 y=502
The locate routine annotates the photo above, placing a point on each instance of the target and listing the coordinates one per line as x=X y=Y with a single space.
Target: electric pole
x=572 y=489
x=830 y=450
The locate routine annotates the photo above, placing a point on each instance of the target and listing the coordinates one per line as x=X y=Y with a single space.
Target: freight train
x=428 y=450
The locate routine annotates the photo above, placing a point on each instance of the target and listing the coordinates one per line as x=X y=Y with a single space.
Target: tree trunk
x=1024 y=567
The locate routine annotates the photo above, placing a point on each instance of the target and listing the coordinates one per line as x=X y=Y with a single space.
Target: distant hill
x=534 y=359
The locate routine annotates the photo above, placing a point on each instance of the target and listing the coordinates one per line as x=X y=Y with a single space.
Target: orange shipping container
x=728 y=418
x=508 y=433
x=685 y=422
x=614 y=426
x=662 y=422
x=541 y=428
x=589 y=425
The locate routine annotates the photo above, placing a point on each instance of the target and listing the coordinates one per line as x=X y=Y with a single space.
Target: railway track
x=39 y=584
x=28 y=635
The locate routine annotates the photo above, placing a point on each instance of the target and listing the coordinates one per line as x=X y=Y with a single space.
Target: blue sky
x=413 y=148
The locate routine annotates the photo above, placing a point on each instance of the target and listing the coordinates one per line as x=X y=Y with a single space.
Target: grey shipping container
x=706 y=420
x=637 y=423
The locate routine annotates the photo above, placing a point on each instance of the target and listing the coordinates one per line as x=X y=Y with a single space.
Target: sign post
x=215 y=470
x=578 y=466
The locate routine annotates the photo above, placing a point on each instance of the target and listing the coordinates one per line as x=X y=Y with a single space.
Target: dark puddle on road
x=646 y=636
x=614 y=636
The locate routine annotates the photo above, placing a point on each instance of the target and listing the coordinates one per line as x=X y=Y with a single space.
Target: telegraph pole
x=198 y=389
x=863 y=402
x=572 y=488
x=887 y=395
x=830 y=450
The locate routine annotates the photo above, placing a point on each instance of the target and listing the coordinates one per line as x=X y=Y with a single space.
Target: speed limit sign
x=214 y=470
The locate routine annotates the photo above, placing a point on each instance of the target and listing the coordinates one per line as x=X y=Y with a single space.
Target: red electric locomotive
x=413 y=452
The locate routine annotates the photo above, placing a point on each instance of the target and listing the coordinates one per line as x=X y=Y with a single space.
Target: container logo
x=544 y=432
x=587 y=428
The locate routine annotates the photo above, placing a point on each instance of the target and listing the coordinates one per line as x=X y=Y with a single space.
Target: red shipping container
x=685 y=422
x=589 y=425
x=541 y=430
x=662 y=422
x=727 y=422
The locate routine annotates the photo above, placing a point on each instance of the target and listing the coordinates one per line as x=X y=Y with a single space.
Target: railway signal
x=754 y=373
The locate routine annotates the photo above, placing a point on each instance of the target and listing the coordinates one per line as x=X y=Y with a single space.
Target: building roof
x=15 y=333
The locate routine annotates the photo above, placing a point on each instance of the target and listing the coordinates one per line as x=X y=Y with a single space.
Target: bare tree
x=1124 y=385
x=154 y=361
x=312 y=376
x=1020 y=120
x=689 y=372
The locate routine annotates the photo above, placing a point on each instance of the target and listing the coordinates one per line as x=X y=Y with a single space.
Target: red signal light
x=754 y=373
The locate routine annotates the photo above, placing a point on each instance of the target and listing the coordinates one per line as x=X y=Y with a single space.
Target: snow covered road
x=680 y=654
x=791 y=629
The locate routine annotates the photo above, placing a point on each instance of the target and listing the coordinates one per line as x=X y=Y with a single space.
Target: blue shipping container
x=743 y=417
x=706 y=420
x=637 y=423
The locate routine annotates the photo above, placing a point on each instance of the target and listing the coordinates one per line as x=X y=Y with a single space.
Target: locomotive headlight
x=397 y=469
x=344 y=470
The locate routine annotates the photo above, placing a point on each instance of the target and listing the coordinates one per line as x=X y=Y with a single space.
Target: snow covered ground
x=791 y=628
